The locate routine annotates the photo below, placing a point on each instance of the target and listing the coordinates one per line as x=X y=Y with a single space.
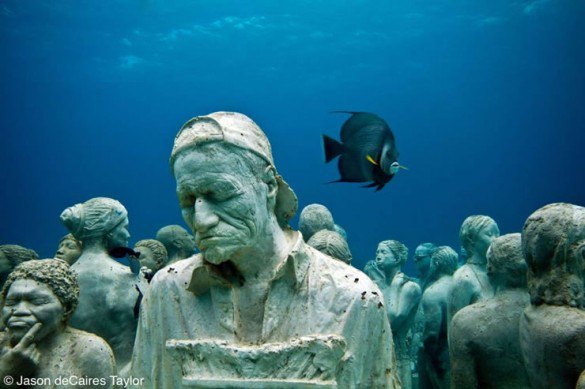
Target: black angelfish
x=367 y=151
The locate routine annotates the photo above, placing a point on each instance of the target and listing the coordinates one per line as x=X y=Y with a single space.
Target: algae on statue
x=484 y=337
x=552 y=327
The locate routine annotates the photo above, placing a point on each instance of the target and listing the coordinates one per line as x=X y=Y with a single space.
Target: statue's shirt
x=311 y=294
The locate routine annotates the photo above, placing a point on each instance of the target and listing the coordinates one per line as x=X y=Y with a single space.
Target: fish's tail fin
x=332 y=148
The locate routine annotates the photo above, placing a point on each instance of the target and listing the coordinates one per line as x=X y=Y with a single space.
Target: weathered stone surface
x=485 y=341
x=552 y=328
x=310 y=361
x=314 y=218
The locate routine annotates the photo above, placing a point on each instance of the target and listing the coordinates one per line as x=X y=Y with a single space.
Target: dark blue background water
x=487 y=103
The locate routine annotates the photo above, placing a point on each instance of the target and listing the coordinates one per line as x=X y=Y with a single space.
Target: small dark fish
x=367 y=151
x=121 y=252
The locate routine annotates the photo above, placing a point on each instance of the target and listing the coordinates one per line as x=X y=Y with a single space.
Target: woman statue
x=108 y=289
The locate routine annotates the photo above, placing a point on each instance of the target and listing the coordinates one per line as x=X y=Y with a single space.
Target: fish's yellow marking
x=369 y=158
x=403 y=167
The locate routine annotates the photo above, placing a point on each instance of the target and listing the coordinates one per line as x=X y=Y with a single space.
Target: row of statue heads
x=257 y=289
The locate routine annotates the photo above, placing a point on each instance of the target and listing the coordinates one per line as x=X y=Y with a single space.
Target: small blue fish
x=367 y=151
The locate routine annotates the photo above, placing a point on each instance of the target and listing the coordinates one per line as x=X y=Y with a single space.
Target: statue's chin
x=215 y=256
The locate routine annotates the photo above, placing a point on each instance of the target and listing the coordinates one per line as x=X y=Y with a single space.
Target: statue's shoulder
x=346 y=280
x=91 y=352
x=470 y=315
x=177 y=272
x=465 y=275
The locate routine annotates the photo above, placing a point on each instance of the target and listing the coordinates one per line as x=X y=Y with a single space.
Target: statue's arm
x=462 y=361
x=98 y=360
x=408 y=301
x=461 y=295
x=433 y=318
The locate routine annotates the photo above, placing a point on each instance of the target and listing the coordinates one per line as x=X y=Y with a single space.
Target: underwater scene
x=292 y=194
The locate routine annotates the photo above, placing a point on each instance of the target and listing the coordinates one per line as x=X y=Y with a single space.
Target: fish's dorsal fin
x=360 y=120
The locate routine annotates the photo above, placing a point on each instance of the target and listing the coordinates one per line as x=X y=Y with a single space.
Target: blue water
x=487 y=103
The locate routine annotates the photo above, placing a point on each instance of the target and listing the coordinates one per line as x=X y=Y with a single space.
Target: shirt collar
x=207 y=275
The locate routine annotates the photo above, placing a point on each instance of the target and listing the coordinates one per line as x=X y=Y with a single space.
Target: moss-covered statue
x=177 y=241
x=152 y=256
x=39 y=297
x=69 y=249
x=434 y=367
x=108 y=289
x=552 y=328
x=484 y=337
x=332 y=244
x=257 y=306
x=314 y=218
x=401 y=296
x=471 y=283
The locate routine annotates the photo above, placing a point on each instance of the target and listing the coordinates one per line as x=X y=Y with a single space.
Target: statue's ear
x=270 y=181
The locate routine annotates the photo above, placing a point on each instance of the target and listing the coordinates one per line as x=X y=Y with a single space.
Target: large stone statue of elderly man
x=257 y=306
x=471 y=283
x=552 y=327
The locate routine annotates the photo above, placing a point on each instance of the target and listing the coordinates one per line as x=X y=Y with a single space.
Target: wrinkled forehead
x=214 y=158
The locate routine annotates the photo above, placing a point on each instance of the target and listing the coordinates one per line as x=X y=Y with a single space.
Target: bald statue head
x=178 y=243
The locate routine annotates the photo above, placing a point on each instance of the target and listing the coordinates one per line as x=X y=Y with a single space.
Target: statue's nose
x=205 y=216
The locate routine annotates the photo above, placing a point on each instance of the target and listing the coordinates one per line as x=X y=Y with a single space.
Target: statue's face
x=119 y=235
x=385 y=258
x=222 y=201
x=27 y=303
x=422 y=260
x=484 y=238
x=147 y=258
x=68 y=251
x=187 y=242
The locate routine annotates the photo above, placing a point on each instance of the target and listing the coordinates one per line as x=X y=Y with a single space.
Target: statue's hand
x=22 y=359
